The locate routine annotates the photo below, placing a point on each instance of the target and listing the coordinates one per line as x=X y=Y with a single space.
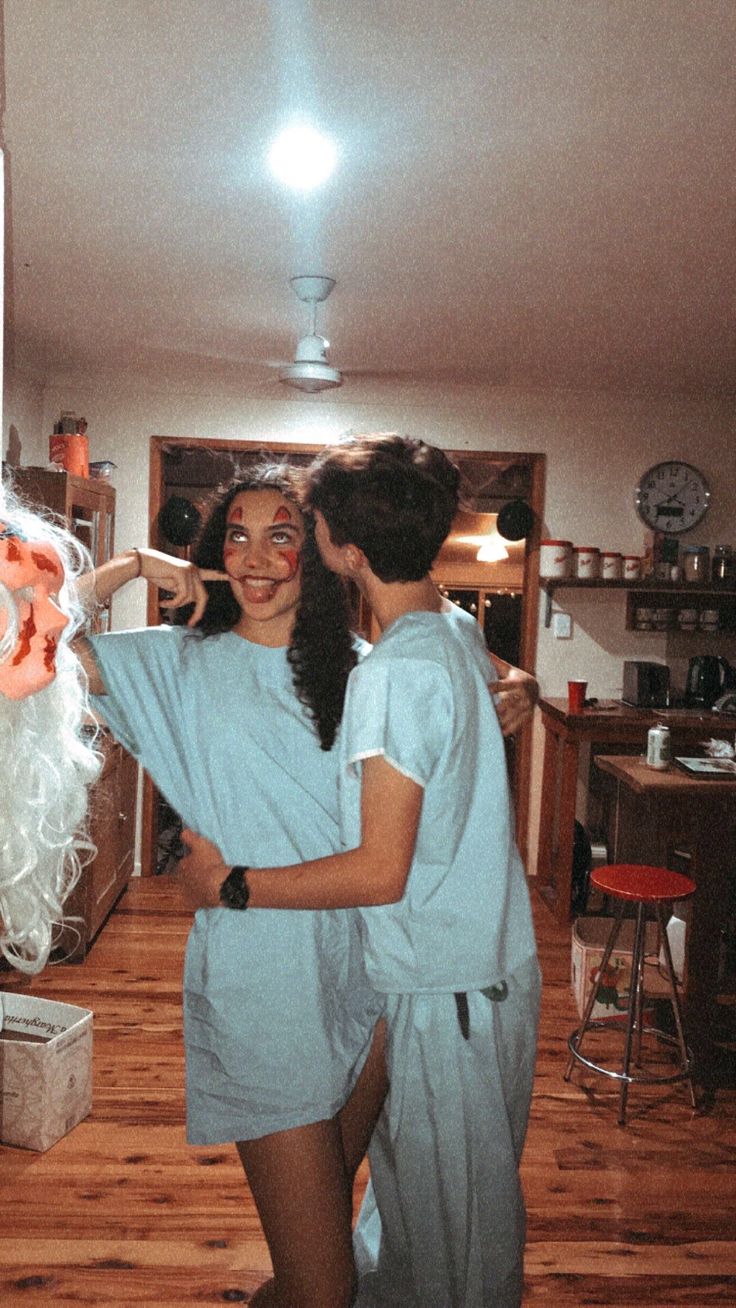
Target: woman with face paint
x=48 y=761
x=234 y=717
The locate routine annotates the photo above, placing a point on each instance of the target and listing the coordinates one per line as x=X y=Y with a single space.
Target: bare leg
x=303 y=1196
x=297 y=1219
x=360 y=1114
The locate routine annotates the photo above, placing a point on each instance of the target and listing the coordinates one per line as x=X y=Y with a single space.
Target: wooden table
x=564 y=733
x=655 y=814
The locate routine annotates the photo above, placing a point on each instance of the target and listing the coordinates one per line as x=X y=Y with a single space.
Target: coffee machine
x=708 y=677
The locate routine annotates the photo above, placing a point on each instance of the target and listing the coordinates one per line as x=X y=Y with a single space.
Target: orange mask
x=33 y=572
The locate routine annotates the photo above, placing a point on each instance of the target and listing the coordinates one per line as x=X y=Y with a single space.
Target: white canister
x=659 y=747
x=610 y=565
x=631 y=567
x=555 y=559
x=586 y=562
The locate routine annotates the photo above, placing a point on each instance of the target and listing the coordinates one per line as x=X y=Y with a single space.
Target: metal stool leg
x=676 y=1006
x=637 y=979
x=633 y=1025
x=610 y=944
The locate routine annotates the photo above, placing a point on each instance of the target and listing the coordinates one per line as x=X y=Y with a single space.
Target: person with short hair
x=430 y=861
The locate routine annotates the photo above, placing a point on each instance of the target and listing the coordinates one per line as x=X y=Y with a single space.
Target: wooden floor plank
x=122 y=1213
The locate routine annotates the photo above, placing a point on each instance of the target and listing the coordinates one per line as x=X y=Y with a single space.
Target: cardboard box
x=589 y=936
x=45 y=1069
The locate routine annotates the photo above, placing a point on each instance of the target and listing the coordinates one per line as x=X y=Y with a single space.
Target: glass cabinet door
x=84 y=521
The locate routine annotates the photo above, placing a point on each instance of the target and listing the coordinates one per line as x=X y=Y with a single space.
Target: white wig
x=48 y=763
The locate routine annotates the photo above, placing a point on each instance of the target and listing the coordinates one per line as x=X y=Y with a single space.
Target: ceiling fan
x=311 y=370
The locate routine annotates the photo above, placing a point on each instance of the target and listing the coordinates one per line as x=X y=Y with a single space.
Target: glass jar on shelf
x=696 y=563
x=723 y=567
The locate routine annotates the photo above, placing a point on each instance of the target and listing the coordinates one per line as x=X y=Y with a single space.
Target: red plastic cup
x=576 y=696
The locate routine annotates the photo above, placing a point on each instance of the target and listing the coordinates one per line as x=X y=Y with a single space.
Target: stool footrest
x=632 y=1078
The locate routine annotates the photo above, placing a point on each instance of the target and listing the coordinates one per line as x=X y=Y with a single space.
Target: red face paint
x=261 y=554
x=291 y=557
x=23 y=648
x=228 y=554
x=49 y=654
x=46 y=564
x=33 y=574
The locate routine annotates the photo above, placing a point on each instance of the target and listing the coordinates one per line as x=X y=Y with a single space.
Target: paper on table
x=709 y=767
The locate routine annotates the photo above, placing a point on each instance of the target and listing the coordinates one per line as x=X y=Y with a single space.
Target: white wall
x=23 y=421
x=597 y=446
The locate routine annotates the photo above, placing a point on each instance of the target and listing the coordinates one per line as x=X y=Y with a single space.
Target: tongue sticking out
x=257 y=590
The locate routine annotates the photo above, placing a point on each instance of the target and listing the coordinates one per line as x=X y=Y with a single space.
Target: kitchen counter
x=607 y=725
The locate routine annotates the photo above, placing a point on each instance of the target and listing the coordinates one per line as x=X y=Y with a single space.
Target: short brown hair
x=392 y=496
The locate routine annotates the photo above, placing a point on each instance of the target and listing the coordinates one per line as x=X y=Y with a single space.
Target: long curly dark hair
x=321 y=652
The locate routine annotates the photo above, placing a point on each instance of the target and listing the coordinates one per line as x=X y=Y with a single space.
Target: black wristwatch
x=234 y=892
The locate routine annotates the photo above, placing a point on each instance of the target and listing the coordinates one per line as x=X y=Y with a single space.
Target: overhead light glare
x=492 y=551
x=491 y=548
x=302 y=158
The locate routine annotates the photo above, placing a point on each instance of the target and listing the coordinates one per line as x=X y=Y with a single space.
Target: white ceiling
x=537 y=193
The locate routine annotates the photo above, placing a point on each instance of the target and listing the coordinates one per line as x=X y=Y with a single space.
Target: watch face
x=672 y=497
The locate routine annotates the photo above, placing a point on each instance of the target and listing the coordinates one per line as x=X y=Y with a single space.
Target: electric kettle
x=708 y=676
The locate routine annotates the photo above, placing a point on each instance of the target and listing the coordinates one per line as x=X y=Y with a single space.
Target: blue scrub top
x=422 y=701
x=277 y=1011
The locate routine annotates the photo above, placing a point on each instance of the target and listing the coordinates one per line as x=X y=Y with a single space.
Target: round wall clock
x=672 y=496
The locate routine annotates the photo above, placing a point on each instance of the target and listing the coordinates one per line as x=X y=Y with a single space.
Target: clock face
x=672 y=497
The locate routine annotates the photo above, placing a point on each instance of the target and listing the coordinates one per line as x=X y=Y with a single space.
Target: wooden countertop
x=619 y=714
x=634 y=772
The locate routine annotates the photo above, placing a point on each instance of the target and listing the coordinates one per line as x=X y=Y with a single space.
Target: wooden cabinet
x=112 y=830
x=87 y=505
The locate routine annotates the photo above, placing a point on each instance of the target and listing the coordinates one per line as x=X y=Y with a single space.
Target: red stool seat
x=651 y=885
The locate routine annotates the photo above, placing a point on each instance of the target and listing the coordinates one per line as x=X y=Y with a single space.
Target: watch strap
x=234 y=891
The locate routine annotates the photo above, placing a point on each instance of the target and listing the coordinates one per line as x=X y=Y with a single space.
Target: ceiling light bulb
x=302 y=158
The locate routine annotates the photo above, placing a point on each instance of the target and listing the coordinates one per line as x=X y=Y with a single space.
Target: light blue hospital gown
x=277 y=1012
x=444 y=1157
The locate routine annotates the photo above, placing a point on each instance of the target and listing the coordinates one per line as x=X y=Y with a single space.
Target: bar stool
x=647 y=887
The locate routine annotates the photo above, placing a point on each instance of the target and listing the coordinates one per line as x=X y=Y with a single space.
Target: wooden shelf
x=646 y=586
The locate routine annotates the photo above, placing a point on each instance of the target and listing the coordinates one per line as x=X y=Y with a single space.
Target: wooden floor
x=122 y=1212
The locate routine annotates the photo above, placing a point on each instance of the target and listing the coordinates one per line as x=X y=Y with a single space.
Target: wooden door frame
x=161 y=445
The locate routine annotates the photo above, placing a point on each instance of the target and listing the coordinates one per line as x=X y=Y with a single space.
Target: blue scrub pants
x=443 y=1222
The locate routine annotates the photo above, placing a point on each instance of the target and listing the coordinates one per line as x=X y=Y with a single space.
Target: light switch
x=562 y=626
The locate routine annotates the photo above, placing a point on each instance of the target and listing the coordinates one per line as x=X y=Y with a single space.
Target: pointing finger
x=200 y=601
